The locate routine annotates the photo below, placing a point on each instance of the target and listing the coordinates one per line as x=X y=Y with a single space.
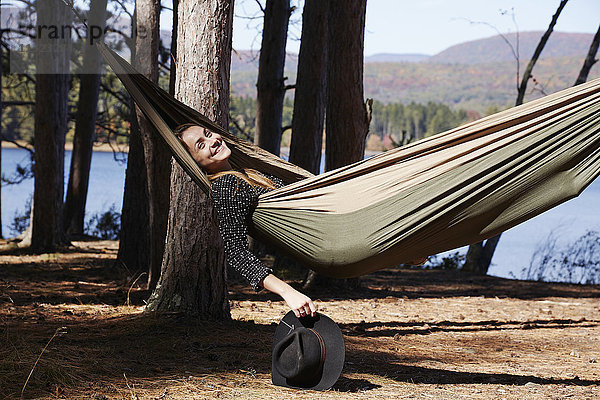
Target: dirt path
x=409 y=334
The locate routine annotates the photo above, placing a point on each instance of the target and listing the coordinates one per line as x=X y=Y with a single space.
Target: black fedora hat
x=308 y=352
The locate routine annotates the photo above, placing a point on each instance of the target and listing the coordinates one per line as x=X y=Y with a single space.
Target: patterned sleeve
x=278 y=182
x=233 y=199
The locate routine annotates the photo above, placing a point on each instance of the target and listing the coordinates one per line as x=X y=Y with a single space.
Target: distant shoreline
x=101 y=147
x=105 y=147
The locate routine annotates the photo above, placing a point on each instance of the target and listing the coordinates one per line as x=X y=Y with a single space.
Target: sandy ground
x=409 y=334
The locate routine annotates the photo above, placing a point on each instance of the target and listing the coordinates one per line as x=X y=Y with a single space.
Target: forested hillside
x=474 y=86
x=475 y=75
x=495 y=48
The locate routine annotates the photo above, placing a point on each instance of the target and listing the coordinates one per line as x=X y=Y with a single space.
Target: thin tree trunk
x=590 y=59
x=172 y=71
x=51 y=92
x=134 y=238
x=522 y=89
x=479 y=256
x=347 y=119
x=81 y=157
x=193 y=278
x=311 y=85
x=157 y=156
x=270 y=85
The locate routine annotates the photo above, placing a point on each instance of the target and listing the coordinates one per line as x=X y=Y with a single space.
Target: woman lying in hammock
x=235 y=194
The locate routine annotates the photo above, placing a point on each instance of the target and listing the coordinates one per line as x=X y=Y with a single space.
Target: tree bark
x=270 y=85
x=51 y=92
x=347 y=120
x=134 y=238
x=157 y=155
x=193 y=279
x=479 y=256
x=590 y=59
x=311 y=85
x=87 y=107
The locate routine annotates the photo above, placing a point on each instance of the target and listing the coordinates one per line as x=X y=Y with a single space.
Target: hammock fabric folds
x=449 y=190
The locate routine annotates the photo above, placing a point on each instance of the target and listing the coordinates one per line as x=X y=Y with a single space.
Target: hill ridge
x=475 y=82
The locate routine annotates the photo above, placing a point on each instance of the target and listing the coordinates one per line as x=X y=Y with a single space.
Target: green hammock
x=446 y=191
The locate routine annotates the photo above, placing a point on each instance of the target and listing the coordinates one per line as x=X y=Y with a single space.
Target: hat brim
x=334 y=349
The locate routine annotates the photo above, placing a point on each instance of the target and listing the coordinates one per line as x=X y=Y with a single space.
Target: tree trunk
x=311 y=86
x=51 y=92
x=479 y=256
x=347 y=118
x=81 y=157
x=157 y=155
x=590 y=60
x=134 y=238
x=270 y=85
x=193 y=279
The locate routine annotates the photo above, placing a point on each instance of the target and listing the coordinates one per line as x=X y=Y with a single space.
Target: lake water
x=569 y=220
x=107 y=180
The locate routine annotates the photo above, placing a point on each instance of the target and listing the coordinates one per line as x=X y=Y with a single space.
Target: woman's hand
x=300 y=304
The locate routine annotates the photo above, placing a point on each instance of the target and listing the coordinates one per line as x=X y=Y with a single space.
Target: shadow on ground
x=395 y=329
x=107 y=347
x=415 y=283
x=148 y=348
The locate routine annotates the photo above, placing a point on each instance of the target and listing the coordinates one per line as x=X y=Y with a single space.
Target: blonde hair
x=248 y=175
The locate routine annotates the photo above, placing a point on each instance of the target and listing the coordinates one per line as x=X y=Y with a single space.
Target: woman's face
x=207 y=148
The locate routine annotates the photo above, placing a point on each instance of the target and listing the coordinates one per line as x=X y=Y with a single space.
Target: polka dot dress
x=235 y=200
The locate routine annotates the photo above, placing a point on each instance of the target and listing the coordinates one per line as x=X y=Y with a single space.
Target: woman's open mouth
x=219 y=148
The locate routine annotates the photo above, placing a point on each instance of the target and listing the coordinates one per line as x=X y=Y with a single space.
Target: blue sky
x=430 y=26
x=424 y=26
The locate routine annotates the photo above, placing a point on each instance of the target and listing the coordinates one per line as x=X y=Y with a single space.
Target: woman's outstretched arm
x=300 y=304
